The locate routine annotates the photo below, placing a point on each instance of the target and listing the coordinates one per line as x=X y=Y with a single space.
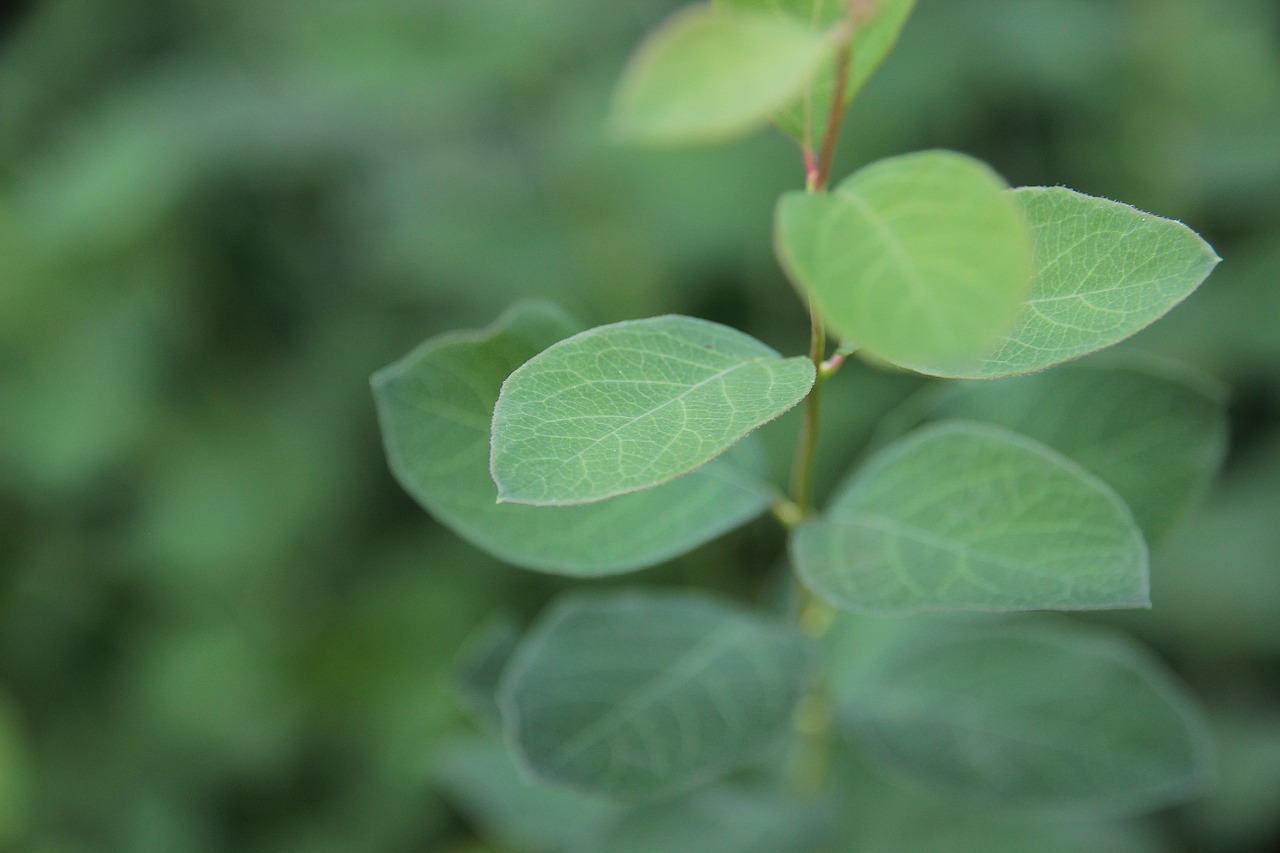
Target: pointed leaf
x=635 y=694
x=628 y=406
x=1105 y=271
x=1154 y=433
x=708 y=74
x=922 y=260
x=874 y=34
x=435 y=407
x=965 y=516
x=1030 y=716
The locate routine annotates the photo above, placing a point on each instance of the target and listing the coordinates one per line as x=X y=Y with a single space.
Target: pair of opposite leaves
x=926 y=261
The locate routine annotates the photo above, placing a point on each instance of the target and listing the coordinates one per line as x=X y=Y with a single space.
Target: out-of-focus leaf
x=714 y=688
x=710 y=73
x=480 y=665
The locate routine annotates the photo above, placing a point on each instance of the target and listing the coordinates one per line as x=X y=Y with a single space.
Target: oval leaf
x=964 y=516
x=708 y=74
x=875 y=32
x=922 y=260
x=1028 y=716
x=625 y=407
x=635 y=694
x=1105 y=270
x=435 y=407
x=1154 y=433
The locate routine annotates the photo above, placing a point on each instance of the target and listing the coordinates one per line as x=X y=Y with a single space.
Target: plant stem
x=807 y=446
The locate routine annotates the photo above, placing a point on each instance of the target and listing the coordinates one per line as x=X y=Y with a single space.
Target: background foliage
x=222 y=625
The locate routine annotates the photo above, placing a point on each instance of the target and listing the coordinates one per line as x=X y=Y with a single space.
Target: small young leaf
x=435 y=407
x=923 y=260
x=708 y=74
x=965 y=516
x=628 y=406
x=636 y=694
x=1154 y=434
x=874 y=34
x=1032 y=716
x=1105 y=271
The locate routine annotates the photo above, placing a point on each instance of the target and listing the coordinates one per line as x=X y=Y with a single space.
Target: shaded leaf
x=1027 y=715
x=636 y=694
x=709 y=74
x=1154 y=433
x=632 y=405
x=965 y=516
x=480 y=664
x=1105 y=270
x=921 y=260
x=481 y=777
x=435 y=407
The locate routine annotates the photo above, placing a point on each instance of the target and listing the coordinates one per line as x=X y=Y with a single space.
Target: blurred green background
x=222 y=625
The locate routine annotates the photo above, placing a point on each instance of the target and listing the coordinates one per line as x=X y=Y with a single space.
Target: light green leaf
x=1022 y=715
x=629 y=406
x=708 y=74
x=1105 y=271
x=1154 y=433
x=480 y=664
x=874 y=35
x=966 y=516
x=921 y=260
x=636 y=694
x=481 y=777
x=435 y=407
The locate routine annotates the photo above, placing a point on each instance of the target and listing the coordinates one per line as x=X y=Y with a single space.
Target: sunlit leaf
x=632 y=405
x=435 y=407
x=1105 y=270
x=965 y=516
x=922 y=260
x=1154 y=433
x=710 y=73
x=1027 y=715
x=878 y=24
x=634 y=694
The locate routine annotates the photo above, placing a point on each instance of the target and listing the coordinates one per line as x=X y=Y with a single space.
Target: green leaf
x=874 y=36
x=481 y=777
x=709 y=74
x=1154 y=433
x=1026 y=715
x=921 y=260
x=435 y=407
x=480 y=664
x=722 y=820
x=965 y=516
x=641 y=693
x=1105 y=271
x=628 y=406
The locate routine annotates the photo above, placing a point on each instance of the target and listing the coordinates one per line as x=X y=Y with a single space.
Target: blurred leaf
x=921 y=260
x=14 y=776
x=1105 y=271
x=715 y=687
x=709 y=73
x=633 y=405
x=1154 y=433
x=480 y=665
x=1045 y=717
x=435 y=406
x=482 y=778
x=964 y=516
x=722 y=820
x=874 y=35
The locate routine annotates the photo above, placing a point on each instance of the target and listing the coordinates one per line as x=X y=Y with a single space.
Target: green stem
x=807 y=447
